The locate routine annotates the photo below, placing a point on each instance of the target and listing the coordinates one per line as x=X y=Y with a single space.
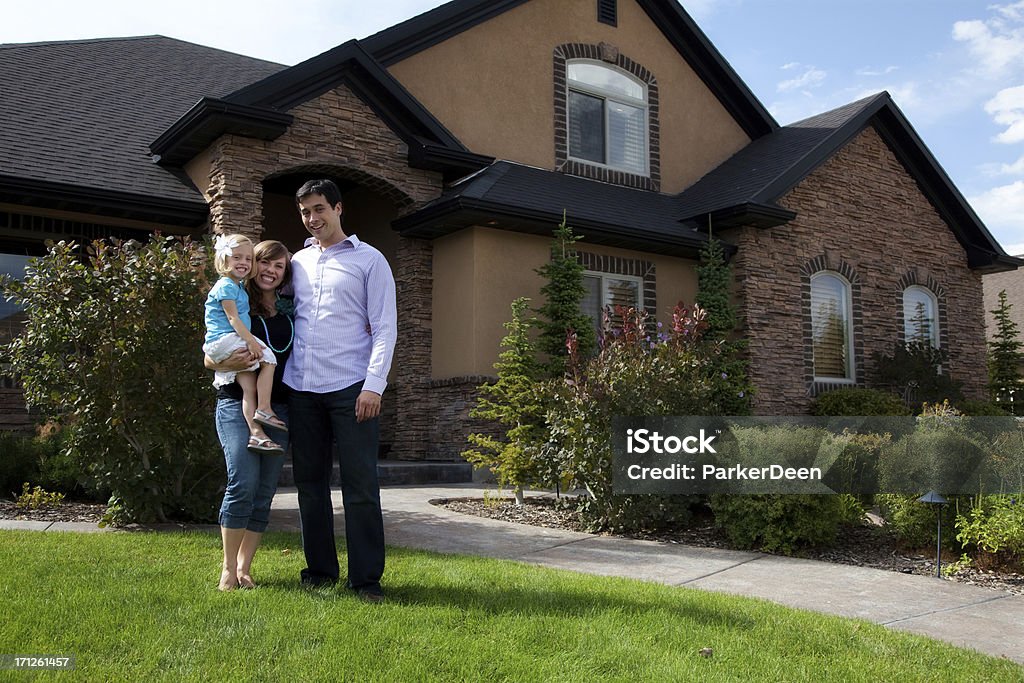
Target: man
x=337 y=373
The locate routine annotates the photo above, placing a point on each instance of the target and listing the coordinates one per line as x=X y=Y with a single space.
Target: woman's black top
x=280 y=328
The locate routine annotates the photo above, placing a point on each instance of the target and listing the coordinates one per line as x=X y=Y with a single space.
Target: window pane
x=919 y=320
x=624 y=293
x=586 y=127
x=13 y=265
x=626 y=148
x=12 y=317
x=608 y=80
x=591 y=303
x=830 y=328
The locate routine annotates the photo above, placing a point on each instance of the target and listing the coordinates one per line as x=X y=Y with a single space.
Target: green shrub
x=914 y=524
x=783 y=523
x=38 y=498
x=994 y=528
x=913 y=371
x=981 y=408
x=512 y=402
x=633 y=375
x=19 y=462
x=111 y=351
x=856 y=402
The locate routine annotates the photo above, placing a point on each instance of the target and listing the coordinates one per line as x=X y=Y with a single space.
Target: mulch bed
x=68 y=511
x=863 y=546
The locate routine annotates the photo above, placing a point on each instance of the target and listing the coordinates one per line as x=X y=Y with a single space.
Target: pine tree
x=513 y=402
x=729 y=375
x=1004 y=358
x=561 y=314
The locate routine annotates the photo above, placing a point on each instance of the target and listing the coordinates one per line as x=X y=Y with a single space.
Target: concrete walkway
x=967 y=616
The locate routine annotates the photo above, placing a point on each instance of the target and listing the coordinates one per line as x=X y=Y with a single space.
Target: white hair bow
x=223 y=245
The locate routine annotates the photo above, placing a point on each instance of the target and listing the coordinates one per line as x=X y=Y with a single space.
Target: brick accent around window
x=617 y=265
x=911 y=279
x=610 y=55
x=810 y=268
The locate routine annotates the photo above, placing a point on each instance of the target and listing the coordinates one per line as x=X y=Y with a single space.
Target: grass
x=143 y=606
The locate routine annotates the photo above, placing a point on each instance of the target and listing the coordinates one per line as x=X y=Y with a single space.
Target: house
x=459 y=138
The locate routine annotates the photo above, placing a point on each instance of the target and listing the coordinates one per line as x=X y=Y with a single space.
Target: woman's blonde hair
x=224 y=246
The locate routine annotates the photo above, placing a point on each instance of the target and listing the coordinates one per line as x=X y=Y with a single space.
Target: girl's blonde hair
x=224 y=246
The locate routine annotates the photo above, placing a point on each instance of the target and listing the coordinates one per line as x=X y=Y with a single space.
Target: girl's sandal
x=269 y=420
x=264 y=445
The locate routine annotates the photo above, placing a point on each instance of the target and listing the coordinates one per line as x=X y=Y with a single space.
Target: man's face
x=322 y=220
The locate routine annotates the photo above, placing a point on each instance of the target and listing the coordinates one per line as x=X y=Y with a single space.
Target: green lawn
x=143 y=606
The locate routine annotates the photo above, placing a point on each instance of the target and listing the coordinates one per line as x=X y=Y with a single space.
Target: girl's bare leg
x=232 y=539
x=246 y=551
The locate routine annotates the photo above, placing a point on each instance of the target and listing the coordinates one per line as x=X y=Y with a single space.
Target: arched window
x=920 y=316
x=831 y=328
x=607 y=116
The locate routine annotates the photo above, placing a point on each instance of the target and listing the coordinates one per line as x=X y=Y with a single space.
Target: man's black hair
x=324 y=187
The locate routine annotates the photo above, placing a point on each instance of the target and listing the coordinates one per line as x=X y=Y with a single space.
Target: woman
x=253 y=476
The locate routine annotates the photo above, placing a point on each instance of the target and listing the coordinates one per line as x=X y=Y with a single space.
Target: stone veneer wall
x=338 y=134
x=450 y=401
x=860 y=214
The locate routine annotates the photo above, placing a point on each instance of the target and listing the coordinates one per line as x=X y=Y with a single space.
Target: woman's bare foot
x=228 y=580
x=245 y=581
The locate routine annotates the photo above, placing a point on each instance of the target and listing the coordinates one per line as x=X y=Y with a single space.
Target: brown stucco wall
x=478 y=272
x=492 y=86
x=860 y=213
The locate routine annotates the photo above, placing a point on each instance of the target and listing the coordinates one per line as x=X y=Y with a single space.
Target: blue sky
x=955 y=67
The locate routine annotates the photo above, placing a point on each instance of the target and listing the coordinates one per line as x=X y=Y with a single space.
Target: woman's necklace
x=266 y=332
x=290 y=338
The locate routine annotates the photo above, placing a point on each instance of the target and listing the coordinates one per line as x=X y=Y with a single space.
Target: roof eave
x=456 y=213
x=103 y=203
x=748 y=214
x=207 y=120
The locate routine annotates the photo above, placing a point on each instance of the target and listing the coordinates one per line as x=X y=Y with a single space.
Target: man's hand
x=367 y=405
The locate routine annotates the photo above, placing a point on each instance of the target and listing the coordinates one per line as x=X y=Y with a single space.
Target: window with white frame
x=606 y=289
x=831 y=328
x=920 y=316
x=607 y=117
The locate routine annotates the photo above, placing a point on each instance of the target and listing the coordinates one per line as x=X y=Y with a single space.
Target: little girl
x=227 y=330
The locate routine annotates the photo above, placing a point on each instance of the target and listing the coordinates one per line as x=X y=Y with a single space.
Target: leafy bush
x=111 y=351
x=38 y=498
x=38 y=459
x=994 y=529
x=633 y=375
x=783 y=523
x=982 y=408
x=514 y=404
x=857 y=401
x=914 y=523
x=914 y=372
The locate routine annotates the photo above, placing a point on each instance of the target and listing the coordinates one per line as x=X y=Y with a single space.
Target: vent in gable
x=608 y=12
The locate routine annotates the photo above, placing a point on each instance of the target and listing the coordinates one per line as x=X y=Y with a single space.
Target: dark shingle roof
x=506 y=194
x=82 y=113
x=750 y=175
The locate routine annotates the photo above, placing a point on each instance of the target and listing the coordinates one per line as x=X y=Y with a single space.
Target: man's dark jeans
x=319 y=424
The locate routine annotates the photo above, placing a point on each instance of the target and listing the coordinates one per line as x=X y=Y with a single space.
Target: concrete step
x=401 y=473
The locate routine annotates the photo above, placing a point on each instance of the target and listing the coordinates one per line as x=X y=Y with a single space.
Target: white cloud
x=868 y=71
x=1016 y=168
x=1002 y=210
x=1007 y=109
x=997 y=42
x=810 y=78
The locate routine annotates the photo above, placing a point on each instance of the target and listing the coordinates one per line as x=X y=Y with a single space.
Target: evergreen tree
x=729 y=374
x=514 y=403
x=561 y=314
x=1004 y=358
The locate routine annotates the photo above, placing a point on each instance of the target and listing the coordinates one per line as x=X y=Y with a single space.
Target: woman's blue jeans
x=252 y=476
